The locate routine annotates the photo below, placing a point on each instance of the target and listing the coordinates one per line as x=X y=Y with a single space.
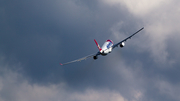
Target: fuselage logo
x=109 y=45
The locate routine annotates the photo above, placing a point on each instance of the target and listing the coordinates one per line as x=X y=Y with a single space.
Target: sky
x=37 y=35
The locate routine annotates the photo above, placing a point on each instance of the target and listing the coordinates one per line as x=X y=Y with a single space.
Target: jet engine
x=95 y=57
x=122 y=44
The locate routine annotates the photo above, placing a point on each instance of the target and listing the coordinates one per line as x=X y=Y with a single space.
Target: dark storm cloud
x=37 y=31
x=37 y=35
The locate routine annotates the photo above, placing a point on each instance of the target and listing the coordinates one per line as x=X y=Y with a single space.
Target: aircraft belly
x=106 y=51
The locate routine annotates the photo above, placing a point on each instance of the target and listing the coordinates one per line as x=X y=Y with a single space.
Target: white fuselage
x=106 y=48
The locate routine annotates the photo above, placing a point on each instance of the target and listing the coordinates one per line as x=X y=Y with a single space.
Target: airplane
x=106 y=48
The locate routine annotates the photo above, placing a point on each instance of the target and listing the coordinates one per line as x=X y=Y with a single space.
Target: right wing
x=78 y=60
x=127 y=38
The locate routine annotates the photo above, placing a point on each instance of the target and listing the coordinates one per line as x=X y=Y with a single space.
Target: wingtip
x=61 y=64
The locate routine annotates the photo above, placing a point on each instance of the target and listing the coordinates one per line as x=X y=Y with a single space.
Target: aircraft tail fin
x=97 y=45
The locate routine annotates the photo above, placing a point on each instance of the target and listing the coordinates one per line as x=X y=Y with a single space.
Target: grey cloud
x=40 y=34
x=14 y=87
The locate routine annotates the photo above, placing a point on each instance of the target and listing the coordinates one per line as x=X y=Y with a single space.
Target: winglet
x=61 y=64
x=97 y=45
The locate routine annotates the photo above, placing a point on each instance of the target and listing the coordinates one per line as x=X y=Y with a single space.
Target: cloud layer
x=14 y=87
x=36 y=35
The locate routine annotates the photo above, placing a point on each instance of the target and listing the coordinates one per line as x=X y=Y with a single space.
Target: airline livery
x=107 y=48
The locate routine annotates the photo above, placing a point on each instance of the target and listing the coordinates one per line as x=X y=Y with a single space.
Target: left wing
x=78 y=60
x=127 y=38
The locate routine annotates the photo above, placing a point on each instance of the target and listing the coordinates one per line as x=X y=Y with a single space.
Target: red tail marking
x=97 y=45
x=60 y=63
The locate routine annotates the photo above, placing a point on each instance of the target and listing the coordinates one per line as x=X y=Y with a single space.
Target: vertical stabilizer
x=97 y=45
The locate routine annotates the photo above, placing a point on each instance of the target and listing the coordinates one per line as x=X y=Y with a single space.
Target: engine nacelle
x=122 y=44
x=95 y=57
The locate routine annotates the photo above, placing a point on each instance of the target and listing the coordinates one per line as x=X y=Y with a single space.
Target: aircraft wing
x=116 y=45
x=78 y=60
